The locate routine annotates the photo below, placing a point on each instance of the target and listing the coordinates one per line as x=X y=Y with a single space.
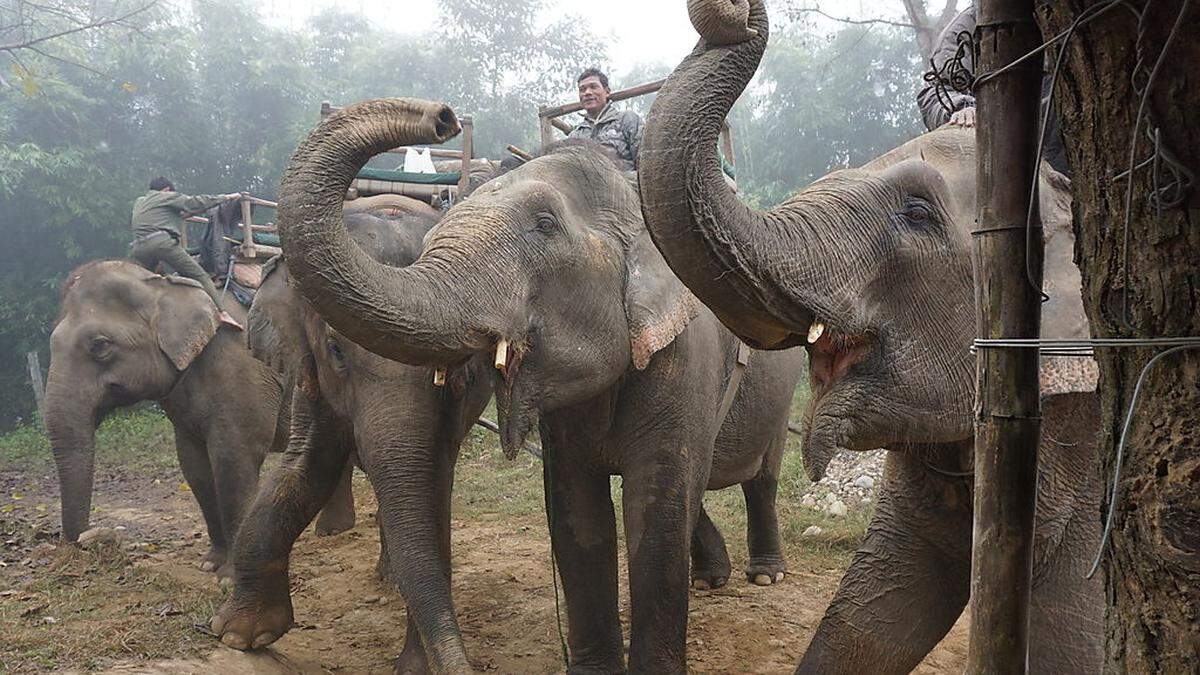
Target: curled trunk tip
x=721 y=22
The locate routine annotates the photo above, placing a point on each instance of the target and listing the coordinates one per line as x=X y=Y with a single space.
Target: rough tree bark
x=1152 y=564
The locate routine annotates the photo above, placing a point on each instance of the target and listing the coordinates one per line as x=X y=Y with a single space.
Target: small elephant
x=405 y=429
x=549 y=271
x=126 y=334
x=871 y=269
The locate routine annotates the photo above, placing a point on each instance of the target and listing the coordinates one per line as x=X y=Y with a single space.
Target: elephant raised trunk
x=716 y=245
x=404 y=314
x=71 y=425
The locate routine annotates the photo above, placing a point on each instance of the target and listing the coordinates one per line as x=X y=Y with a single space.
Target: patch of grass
x=489 y=486
x=140 y=438
x=88 y=609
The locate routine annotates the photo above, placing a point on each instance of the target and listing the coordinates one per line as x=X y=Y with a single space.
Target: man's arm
x=934 y=113
x=197 y=203
x=631 y=124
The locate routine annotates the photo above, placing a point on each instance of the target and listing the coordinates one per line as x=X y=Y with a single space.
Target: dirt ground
x=142 y=606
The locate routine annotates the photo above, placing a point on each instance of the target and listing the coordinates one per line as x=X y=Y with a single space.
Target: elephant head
x=546 y=268
x=124 y=334
x=406 y=429
x=869 y=268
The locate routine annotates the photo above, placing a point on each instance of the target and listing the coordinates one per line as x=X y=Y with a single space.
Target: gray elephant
x=548 y=270
x=125 y=334
x=871 y=269
x=405 y=429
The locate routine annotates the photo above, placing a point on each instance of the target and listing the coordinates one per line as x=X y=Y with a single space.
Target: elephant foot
x=333 y=521
x=765 y=570
x=253 y=620
x=412 y=660
x=710 y=576
x=213 y=560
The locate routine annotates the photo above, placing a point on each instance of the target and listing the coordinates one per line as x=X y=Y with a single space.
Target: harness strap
x=735 y=380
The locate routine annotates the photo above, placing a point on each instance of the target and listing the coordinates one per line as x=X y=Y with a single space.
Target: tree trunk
x=1152 y=563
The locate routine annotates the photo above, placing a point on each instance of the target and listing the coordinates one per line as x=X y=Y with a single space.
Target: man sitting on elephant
x=156 y=221
x=621 y=131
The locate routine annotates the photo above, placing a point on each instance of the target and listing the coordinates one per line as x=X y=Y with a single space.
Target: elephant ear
x=185 y=319
x=657 y=304
x=275 y=329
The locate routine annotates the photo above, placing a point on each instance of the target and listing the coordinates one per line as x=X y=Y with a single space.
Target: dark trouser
x=156 y=248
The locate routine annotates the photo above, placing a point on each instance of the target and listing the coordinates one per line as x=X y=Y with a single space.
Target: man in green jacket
x=157 y=219
x=619 y=130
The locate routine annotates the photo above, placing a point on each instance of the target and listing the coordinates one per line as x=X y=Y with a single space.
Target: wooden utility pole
x=1007 y=424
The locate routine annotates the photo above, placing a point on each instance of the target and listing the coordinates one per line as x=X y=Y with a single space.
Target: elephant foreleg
x=259 y=610
x=193 y=463
x=909 y=580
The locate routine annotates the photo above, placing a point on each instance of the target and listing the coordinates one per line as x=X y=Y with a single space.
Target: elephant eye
x=546 y=223
x=100 y=348
x=335 y=350
x=917 y=213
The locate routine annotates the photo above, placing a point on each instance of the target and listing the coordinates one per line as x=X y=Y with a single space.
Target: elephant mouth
x=831 y=356
x=516 y=404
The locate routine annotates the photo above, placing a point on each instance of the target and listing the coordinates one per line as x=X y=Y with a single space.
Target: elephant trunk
x=71 y=425
x=406 y=314
x=725 y=252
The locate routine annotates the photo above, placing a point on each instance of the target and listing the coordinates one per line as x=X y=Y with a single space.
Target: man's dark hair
x=161 y=183
x=593 y=72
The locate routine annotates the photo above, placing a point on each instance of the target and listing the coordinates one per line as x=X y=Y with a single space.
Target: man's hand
x=963 y=118
x=233 y=196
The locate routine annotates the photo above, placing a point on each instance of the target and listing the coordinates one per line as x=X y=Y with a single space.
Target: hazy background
x=215 y=94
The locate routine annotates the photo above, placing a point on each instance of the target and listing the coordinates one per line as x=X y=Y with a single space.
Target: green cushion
x=404 y=177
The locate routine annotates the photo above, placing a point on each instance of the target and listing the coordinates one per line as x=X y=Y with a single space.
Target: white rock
x=98 y=536
x=837 y=508
x=864 y=482
x=811 y=531
x=808 y=501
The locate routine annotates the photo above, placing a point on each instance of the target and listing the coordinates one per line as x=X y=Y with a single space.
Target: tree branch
x=856 y=22
x=99 y=23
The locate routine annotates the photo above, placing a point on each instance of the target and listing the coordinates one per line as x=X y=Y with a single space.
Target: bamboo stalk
x=1008 y=426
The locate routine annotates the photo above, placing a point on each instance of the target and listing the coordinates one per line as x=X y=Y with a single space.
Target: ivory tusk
x=439 y=377
x=501 y=354
x=815 y=332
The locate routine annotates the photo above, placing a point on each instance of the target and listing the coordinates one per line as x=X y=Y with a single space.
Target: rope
x=1117 y=462
x=562 y=641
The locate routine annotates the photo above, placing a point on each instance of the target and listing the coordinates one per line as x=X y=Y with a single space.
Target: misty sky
x=638 y=30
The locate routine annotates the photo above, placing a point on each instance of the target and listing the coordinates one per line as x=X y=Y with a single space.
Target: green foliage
x=821 y=103
x=140 y=438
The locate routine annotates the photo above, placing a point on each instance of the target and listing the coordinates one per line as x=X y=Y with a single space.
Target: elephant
x=405 y=429
x=124 y=335
x=549 y=272
x=871 y=270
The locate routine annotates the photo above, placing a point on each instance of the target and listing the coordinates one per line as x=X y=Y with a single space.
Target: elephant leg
x=660 y=495
x=908 y=582
x=338 y=514
x=710 y=560
x=412 y=659
x=193 y=463
x=235 y=474
x=583 y=535
x=1066 y=613
x=259 y=610
x=767 y=565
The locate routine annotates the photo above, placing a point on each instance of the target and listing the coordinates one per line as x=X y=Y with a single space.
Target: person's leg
x=184 y=265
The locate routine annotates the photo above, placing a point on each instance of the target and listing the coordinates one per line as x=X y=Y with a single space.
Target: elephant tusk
x=815 y=332
x=501 y=355
x=439 y=377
